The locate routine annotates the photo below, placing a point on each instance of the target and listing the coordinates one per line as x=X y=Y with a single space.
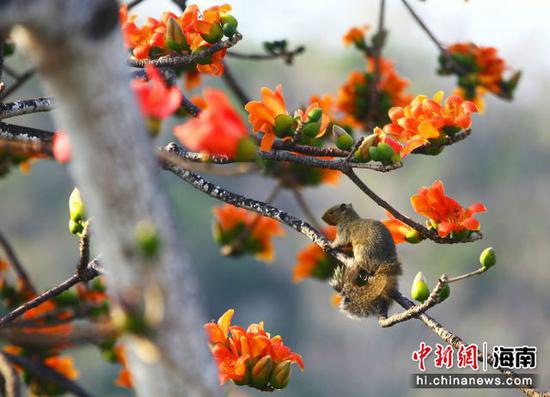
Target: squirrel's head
x=333 y=215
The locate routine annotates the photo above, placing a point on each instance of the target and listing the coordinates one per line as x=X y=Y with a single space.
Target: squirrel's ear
x=350 y=206
x=343 y=206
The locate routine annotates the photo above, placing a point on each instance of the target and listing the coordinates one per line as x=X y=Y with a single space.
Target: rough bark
x=81 y=58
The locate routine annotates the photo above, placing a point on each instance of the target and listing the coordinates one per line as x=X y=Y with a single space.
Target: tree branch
x=92 y=270
x=27 y=106
x=187 y=59
x=22 y=79
x=201 y=184
x=48 y=374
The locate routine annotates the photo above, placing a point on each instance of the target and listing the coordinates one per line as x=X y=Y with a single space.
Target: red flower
x=218 y=129
x=446 y=214
x=155 y=98
x=399 y=230
x=61 y=147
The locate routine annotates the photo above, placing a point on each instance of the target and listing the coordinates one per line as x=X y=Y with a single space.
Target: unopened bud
x=261 y=372
x=419 y=289
x=283 y=124
x=488 y=258
x=77 y=209
x=311 y=130
x=214 y=35
x=280 y=377
x=315 y=114
x=344 y=140
x=75 y=227
x=413 y=237
x=385 y=152
x=175 y=39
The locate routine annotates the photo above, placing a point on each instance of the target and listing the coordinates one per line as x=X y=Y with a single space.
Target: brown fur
x=365 y=286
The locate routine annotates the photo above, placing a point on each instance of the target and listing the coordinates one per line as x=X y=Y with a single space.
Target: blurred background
x=504 y=164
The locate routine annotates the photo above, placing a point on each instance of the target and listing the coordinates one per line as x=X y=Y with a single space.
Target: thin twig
x=84 y=251
x=16 y=264
x=424 y=231
x=183 y=60
x=22 y=79
x=481 y=270
x=93 y=270
x=287 y=56
x=232 y=83
x=414 y=311
x=459 y=69
x=48 y=374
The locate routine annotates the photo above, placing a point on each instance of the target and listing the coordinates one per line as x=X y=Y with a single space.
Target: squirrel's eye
x=362 y=278
x=342 y=206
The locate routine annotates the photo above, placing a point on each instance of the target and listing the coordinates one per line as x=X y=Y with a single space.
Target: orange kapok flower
x=262 y=114
x=256 y=231
x=399 y=230
x=217 y=130
x=62 y=364
x=233 y=348
x=155 y=98
x=355 y=34
x=312 y=261
x=446 y=214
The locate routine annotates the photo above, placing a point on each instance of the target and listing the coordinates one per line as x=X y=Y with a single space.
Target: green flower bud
x=385 y=152
x=445 y=292
x=147 y=239
x=311 y=129
x=374 y=153
x=413 y=237
x=419 y=289
x=175 y=38
x=217 y=233
x=315 y=114
x=246 y=150
x=283 y=125
x=228 y=19
x=77 y=209
x=9 y=48
x=214 y=35
x=361 y=157
x=488 y=258
x=280 y=377
x=261 y=372
x=344 y=140
x=229 y=30
x=75 y=227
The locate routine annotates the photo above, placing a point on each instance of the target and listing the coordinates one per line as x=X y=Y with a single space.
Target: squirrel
x=366 y=285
